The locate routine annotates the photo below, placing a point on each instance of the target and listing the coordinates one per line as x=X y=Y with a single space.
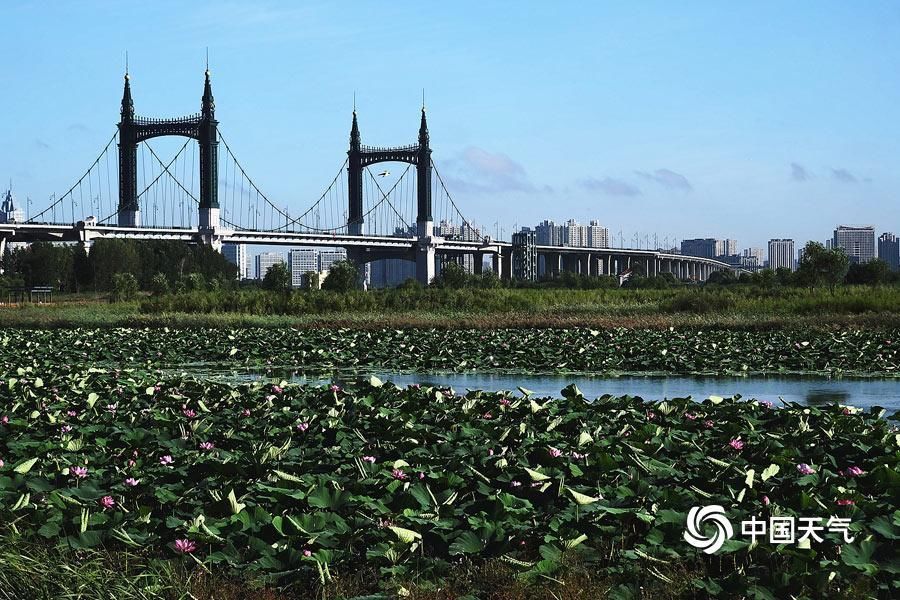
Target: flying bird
x=384 y=173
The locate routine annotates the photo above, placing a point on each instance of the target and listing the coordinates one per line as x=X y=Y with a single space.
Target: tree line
x=151 y=264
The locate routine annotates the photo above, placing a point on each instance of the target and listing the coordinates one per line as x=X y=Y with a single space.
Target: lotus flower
x=708 y=424
x=166 y=460
x=65 y=428
x=207 y=446
x=277 y=389
x=398 y=474
x=185 y=546
x=505 y=402
x=307 y=552
x=131 y=482
x=765 y=404
x=854 y=472
x=335 y=388
x=2 y=463
x=72 y=413
x=189 y=413
x=766 y=501
x=554 y=452
x=690 y=416
x=245 y=412
x=845 y=502
x=107 y=502
x=487 y=415
x=4 y=419
x=736 y=443
x=805 y=469
x=302 y=426
x=79 y=472
x=515 y=483
x=369 y=459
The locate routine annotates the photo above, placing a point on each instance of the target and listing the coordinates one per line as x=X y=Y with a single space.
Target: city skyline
x=665 y=134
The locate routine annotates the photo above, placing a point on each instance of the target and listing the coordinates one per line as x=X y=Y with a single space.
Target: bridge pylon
x=359 y=157
x=133 y=130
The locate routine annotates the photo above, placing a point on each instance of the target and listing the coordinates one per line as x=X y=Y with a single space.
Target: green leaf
x=536 y=476
x=25 y=466
x=236 y=506
x=466 y=543
x=770 y=472
x=407 y=536
x=583 y=499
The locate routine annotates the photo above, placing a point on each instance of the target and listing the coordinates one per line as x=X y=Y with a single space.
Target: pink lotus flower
x=131 y=482
x=107 y=502
x=307 y=552
x=736 y=443
x=845 y=502
x=554 y=452
x=245 y=412
x=302 y=426
x=765 y=404
x=398 y=474
x=708 y=424
x=79 y=472
x=487 y=415
x=335 y=388
x=72 y=413
x=651 y=415
x=578 y=456
x=131 y=462
x=185 y=546
x=690 y=416
x=4 y=419
x=2 y=464
x=369 y=459
x=421 y=475
x=805 y=469
x=515 y=483
x=189 y=413
x=65 y=428
x=277 y=389
x=166 y=460
x=207 y=446
x=505 y=402
x=847 y=410
x=490 y=451
x=854 y=472
x=765 y=500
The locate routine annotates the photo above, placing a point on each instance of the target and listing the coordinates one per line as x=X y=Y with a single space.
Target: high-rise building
x=300 y=262
x=597 y=235
x=548 y=233
x=236 y=254
x=574 y=234
x=704 y=248
x=266 y=260
x=889 y=250
x=524 y=255
x=329 y=257
x=781 y=254
x=726 y=248
x=857 y=242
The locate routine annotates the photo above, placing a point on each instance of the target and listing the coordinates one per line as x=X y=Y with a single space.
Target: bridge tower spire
x=354 y=180
x=425 y=252
x=209 y=165
x=129 y=210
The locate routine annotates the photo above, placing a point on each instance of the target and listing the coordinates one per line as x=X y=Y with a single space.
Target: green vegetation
x=301 y=486
x=537 y=350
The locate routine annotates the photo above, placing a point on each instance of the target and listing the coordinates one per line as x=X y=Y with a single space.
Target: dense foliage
x=682 y=351
x=311 y=482
x=71 y=268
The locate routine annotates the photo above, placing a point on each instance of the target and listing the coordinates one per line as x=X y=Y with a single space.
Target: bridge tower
x=201 y=126
x=419 y=154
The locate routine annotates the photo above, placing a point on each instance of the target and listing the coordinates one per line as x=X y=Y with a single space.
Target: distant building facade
x=300 y=262
x=889 y=250
x=597 y=235
x=329 y=257
x=9 y=212
x=524 y=255
x=857 y=242
x=700 y=247
x=781 y=254
x=265 y=261
x=236 y=254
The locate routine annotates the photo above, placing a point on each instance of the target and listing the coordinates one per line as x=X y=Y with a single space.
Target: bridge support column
x=477 y=263
x=426 y=267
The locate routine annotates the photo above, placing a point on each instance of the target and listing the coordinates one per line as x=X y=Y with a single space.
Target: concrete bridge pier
x=477 y=263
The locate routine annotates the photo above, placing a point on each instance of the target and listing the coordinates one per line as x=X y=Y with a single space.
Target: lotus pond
x=299 y=483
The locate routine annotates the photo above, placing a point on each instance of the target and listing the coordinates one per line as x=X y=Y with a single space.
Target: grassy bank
x=733 y=307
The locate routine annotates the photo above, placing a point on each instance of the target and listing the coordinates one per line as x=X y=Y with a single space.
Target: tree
x=277 y=278
x=822 y=266
x=343 y=276
x=159 y=285
x=125 y=287
x=312 y=280
x=874 y=272
x=453 y=276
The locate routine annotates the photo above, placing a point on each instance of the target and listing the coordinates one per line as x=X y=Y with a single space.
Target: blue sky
x=690 y=119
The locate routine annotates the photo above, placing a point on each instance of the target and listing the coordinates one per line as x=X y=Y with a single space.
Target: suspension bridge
x=203 y=194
